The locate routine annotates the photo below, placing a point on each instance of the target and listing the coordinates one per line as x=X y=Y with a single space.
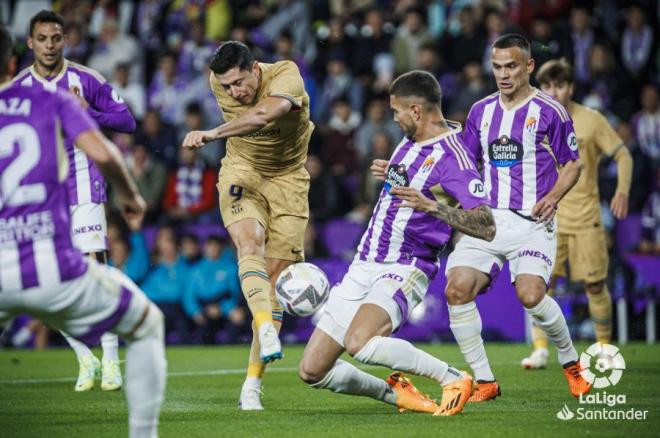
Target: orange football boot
x=409 y=398
x=576 y=383
x=485 y=391
x=454 y=396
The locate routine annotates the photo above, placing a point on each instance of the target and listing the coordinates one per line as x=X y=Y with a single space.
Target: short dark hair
x=417 y=83
x=6 y=50
x=509 y=40
x=231 y=54
x=46 y=16
x=555 y=70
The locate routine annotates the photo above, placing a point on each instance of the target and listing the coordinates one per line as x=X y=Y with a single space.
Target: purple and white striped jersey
x=35 y=230
x=106 y=107
x=520 y=148
x=440 y=167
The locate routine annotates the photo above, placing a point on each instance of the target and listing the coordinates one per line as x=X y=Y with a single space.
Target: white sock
x=465 y=324
x=548 y=316
x=146 y=370
x=79 y=348
x=22 y=336
x=252 y=382
x=401 y=355
x=110 y=344
x=345 y=378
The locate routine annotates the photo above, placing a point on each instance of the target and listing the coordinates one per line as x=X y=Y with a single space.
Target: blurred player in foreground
x=581 y=237
x=397 y=258
x=42 y=273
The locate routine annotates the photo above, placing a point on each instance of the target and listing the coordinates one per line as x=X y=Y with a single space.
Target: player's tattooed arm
x=477 y=222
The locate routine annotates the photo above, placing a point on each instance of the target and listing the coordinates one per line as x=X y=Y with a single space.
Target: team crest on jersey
x=572 y=141
x=397 y=176
x=505 y=152
x=530 y=123
x=428 y=164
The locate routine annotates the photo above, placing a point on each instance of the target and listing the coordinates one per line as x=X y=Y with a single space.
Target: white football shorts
x=89 y=229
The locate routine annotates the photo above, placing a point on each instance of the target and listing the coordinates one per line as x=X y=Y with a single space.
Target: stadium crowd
x=155 y=54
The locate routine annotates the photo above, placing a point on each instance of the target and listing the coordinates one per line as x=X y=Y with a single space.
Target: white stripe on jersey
x=559 y=108
x=484 y=127
x=10 y=267
x=529 y=157
x=404 y=214
x=379 y=220
x=504 y=173
x=45 y=261
x=459 y=151
x=83 y=180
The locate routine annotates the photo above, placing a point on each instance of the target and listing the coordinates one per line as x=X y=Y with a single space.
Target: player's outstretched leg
x=321 y=368
x=111 y=379
x=547 y=314
x=89 y=367
x=463 y=284
x=400 y=355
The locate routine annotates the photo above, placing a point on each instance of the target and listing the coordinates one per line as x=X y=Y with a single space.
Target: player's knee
x=459 y=290
x=531 y=295
x=595 y=288
x=251 y=245
x=152 y=325
x=354 y=341
x=310 y=374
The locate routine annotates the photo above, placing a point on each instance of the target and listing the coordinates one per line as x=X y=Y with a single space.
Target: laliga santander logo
x=602 y=365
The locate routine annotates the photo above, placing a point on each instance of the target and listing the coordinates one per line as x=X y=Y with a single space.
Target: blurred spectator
x=410 y=36
x=166 y=282
x=130 y=256
x=191 y=250
x=331 y=40
x=338 y=83
x=378 y=120
x=114 y=48
x=544 y=43
x=646 y=123
x=650 y=243
x=213 y=295
x=338 y=150
x=443 y=16
x=159 y=137
x=495 y=24
x=194 y=121
x=324 y=190
x=381 y=148
x=636 y=43
x=375 y=39
x=190 y=194
x=583 y=38
x=150 y=176
x=608 y=84
x=642 y=170
x=474 y=87
x=195 y=53
x=430 y=59
x=77 y=46
x=468 y=45
x=166 y=88
x=218 y=16
x=292 y=15
x=104 y=10
x=131 y=91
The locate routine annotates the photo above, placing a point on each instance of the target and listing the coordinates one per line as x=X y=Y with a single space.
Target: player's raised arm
x=476 y=222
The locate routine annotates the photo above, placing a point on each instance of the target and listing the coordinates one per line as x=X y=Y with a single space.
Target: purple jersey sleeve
x=73 y=117
x=563 y=140
x=108 y=109
x=471 y=132
x=460 y=179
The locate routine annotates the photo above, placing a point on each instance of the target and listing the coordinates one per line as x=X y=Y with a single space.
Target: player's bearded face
x=239 y=84
x=401 y=109
x=562 y=91
x=47 y=42
x=511 y=67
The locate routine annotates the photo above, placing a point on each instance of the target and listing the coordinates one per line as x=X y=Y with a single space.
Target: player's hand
x=413 y=198
x=544 y=210
x=378 y=169
x=133 y=209
x=197 y=139
x=213 y=311
x=619 y=205
x=199 y=319
x=77 y=93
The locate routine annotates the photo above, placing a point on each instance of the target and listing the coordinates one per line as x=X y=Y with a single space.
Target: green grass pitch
x=37 y=399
